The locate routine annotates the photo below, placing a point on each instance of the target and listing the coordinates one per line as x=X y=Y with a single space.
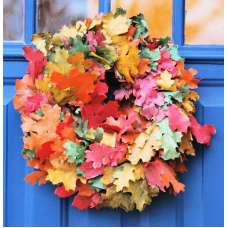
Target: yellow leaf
x=128 y=61
x=109 y=139
x=145 y=146
x=189 y=101
x=165 y=81
x=66 y=175
x=114 y=199
x=78 y=29
x=116 y=25
x=40 y=44
x=121 y=175
x=141 y=193
x=59 y=62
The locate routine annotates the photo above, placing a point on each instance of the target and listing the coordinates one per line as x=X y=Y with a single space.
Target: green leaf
x=170 y=97
x=74 y=152
x=88 y=134
x=153 y=56
x=169 y=140
x=141 y=26
x=39 y=112
x=96 y=183
x=30 y=154
x=174 y=54
x=119 y=11
x=79 y=46
x=164 y=41
x=79 y=172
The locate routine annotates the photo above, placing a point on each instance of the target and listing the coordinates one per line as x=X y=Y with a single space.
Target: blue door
x=202 y=202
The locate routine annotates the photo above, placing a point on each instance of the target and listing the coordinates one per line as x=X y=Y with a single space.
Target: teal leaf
x=141 y=26
x=74 y=152
x=174 y=54
x=169 y=140
x=29 y=154
x=96 y=183
x=170 y=97
x=153 y=56
x=79 y=46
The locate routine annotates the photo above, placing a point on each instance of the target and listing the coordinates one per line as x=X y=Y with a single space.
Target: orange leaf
x=81 y=83
x=35 y=176
x=187 y=75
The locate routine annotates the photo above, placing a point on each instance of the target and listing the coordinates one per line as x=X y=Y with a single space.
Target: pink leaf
x=177 y=120
x=90 y=171
x=202 y=133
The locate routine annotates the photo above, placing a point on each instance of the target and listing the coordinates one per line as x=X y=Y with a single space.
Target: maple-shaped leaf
x=74 y=152
x=187 y=75
x=84 y=202
x=65 y=174
x=78 y=46
x=186 y=145
x=59 y=62
x=144 y=89
x=122 y=175
x=65 y=129
x=202 y=133
x=122 y=93
x=152 y=55
x=34 y=102
x=109 y=139
x=36 y=59
x=178 y=121
x=61 y=192
x=160 y=174
x=96 y=112
x=81 y=83
x=141 y=193
x=114 y=199
x=44 y=151
x=165 y=82
x=116 y=25
x=169 y=140
x=24 y=89
x=144 y=146
x=41 y=128
x=127 y=63
x=101 y=155
x=35 y=176
x=189 y=101
x=174 y=54
x=89 y=171
x=141 y=26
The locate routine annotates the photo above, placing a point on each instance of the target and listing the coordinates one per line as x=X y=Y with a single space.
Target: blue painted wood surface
x=200 y=205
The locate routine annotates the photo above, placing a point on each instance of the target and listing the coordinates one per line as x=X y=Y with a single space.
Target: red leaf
x=102 y=155
x=44 y=151
x=96 y=112
x=84 y=202
x=36 y=59
x=177 y=120
x=61 y=192
x=90 y=171
x=160 y=174
x=202 y=133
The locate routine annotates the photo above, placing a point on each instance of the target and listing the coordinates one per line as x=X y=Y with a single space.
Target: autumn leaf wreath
x=108 y=113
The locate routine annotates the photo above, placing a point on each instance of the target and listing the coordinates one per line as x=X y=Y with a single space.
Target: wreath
x=108 y=113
